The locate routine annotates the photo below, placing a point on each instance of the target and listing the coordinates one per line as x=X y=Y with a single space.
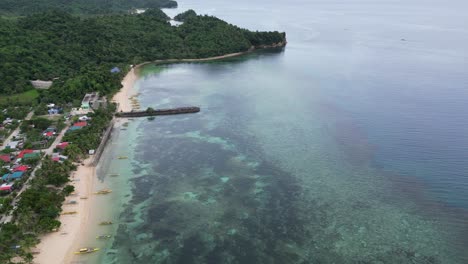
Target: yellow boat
x=122 y=157
x=106 y=223
x=103 y=191
x=103 y=237
x=86 y=250
x=69 y=213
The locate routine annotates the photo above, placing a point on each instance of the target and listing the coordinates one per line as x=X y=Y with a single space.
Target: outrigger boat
x=122 y=157
x=106 y=223
x=69 y=213
x=103 y=191
x=104 y=237
x=86 y=250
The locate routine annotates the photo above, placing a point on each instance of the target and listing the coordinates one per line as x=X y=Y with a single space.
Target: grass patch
x=27 y=97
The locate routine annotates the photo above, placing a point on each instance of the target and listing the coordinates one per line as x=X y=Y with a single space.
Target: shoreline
x=65 y=240
x=73 y=228
x=124 y=95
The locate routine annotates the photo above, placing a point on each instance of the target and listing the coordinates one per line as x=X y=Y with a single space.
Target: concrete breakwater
x=156 y=112
x=100 y=149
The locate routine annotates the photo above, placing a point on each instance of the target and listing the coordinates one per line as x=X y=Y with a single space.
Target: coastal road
x=49 y=151
x=16 y=131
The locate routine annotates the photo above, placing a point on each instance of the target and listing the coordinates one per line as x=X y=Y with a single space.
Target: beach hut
x=17 y=175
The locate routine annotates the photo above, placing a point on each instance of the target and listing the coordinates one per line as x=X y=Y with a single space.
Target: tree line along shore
x=76 y=55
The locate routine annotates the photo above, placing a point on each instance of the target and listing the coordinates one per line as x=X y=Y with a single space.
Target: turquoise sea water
x=348 y=146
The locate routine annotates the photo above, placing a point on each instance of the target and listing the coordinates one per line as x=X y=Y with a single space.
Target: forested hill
x=79 y=52
x=24 y=7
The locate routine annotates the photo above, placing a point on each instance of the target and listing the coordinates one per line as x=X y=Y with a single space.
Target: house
x=40 y=84
x=14 y=144
x=7 y=121
x=58 y=157
x=24 y=152
x=7 y=187
x=115 y=70
x=5 y=158
x=21 y=168
x=53 y=111
x=51 y=128
x=90 y=100
x=16 y=175
x=84 y=118
x=49 y=134
x=80 y=124
x=6 y=176
x=73 y=128
x=31 y=155
x=62 y=145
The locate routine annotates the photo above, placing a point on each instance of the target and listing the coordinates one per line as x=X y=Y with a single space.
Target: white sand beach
x=58 y=247
x=122 y=98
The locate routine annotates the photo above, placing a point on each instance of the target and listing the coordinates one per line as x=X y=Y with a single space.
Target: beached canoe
x=106 y=223
x=86 y=250
x=122 y=157
x=69 y=213
x=104 y=237
x=103 y=191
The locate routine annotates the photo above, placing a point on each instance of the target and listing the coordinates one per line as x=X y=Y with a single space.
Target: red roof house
x=25 y=151
x=6 y=187
x=80 y=124
x=62 y=145
x=49 y=134
x=22 y=168
x=5 y=158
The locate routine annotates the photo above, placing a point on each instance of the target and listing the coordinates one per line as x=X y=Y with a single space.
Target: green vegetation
x=26 y=98
x=77 y=53
x=89 y=137
x=23 y=7
x=81 y=51
x=185 y=15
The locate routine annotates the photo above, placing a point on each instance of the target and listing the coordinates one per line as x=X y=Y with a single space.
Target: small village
x=29 y=142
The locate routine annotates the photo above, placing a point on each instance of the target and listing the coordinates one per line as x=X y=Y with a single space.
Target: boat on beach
x=86 y=250
x=106 y=223
x=103 y=191
x=122 y=157
x=103 y=237
x=69 y=213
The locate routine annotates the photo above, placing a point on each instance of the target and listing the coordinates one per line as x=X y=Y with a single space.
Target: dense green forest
x=185 y=15
x=24 y=7
x=78 y=53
